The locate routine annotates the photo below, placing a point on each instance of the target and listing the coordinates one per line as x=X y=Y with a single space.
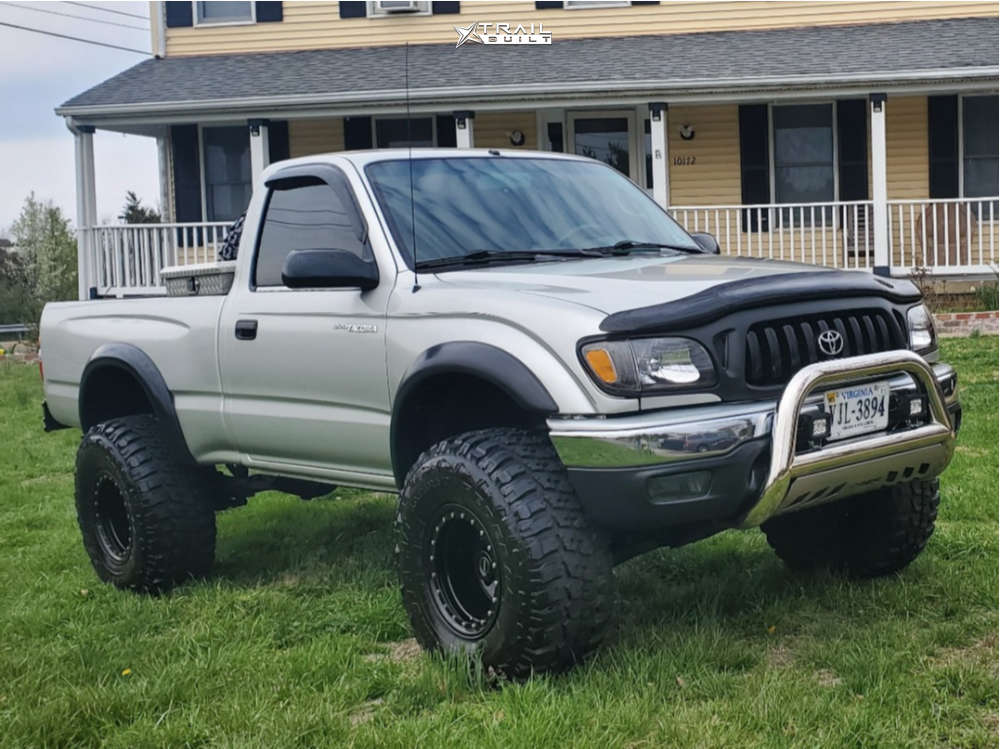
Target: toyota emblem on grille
x=830 y=342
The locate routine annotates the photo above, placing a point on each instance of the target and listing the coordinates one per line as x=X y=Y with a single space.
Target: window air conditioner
x=398 y=6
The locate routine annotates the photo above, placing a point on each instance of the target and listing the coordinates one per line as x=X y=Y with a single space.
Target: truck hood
x=614 y=284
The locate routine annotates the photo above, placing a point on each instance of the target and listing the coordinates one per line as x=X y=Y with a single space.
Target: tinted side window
x=305 y=213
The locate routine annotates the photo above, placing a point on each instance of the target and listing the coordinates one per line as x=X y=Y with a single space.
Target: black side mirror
x=326 y=269
x=707 y=242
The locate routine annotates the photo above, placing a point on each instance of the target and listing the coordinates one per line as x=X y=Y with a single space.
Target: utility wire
x=108 y=10
x=75 y=38
x=72 y=15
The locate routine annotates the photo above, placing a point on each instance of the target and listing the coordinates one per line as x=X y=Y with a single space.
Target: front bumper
x=739 y=464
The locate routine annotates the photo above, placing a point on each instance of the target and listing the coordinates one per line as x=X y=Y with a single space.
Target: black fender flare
x=489 y=363
x=136 y=362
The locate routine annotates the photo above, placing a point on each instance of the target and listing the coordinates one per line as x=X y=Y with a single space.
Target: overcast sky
x=37 y=73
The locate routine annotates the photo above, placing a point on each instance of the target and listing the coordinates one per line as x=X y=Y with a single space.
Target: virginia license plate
x=858 y=410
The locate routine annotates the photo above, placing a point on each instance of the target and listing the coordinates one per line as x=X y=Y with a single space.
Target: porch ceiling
x=745 y=62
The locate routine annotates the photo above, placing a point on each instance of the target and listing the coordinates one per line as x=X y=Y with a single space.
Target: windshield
x=464 y=205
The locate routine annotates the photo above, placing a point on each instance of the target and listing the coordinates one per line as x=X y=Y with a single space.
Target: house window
x=979 y=146
x=383 y=8
x=226 y=160
x=393 y=132
x=803 y=152
x=221 y=11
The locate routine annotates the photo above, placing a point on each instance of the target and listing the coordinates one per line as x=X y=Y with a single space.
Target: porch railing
x=125 y=259
x=944 y=236
x=837 y=234
x=934 y=236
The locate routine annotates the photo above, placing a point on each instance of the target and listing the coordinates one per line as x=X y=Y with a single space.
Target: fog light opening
x=679 y=486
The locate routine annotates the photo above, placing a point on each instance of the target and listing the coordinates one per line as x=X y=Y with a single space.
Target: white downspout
x=158 y=28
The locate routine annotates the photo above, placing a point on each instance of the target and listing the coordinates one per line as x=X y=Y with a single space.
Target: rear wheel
x=146 y=517
x=495 y=555
x=867 y=535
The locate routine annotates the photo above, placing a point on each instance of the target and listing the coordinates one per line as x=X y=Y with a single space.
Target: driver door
x=303 y=370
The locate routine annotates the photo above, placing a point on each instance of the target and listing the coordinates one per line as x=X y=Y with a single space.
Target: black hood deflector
x=751 y=293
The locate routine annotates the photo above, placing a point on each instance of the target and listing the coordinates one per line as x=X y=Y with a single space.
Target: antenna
x=409 y=162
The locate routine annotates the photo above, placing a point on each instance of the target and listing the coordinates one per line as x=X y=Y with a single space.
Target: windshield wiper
x=480 y=257
x=625 y=246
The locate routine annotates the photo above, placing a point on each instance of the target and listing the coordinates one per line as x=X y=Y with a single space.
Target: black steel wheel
x=465 y=578
x=496 y=557
x=114 y=523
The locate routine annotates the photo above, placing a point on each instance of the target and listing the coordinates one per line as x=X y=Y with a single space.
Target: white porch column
x=163 y=163
x=464 y=136
x=259 y=148
x=658 y=150
x=86 y=206
x=880 y=191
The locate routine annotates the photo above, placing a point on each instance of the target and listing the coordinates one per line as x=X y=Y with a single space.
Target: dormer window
x=222 y=12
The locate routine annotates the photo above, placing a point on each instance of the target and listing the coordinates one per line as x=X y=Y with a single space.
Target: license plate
x=858 y=410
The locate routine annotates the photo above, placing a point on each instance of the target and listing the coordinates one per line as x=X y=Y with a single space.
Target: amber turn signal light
x=601 y=364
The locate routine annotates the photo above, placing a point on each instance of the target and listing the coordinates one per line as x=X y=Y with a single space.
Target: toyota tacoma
x=550 y=372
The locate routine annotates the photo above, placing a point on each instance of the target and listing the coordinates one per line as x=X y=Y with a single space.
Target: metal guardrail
x=18 y=329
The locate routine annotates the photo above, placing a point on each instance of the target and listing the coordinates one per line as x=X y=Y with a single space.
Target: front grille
x=777 y=349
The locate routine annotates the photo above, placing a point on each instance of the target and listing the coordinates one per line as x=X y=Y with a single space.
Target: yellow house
x=851 y=134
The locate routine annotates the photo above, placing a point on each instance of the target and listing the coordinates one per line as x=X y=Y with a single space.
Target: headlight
x=648 y=365
x=923 y=337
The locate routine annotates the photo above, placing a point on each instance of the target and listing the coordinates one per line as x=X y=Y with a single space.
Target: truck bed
x=178 y=334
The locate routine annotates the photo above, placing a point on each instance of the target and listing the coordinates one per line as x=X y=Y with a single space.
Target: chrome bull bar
x=931 y=444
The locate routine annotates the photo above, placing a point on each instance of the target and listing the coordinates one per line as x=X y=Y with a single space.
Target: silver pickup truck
x=552 y=374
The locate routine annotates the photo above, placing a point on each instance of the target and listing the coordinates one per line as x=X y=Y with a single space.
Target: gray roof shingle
x=831 y=53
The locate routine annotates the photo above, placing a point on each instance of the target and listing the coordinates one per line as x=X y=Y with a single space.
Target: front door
x=607 y=136
x=303 y=370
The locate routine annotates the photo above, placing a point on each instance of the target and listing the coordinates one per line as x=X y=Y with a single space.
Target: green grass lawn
x=299 y=637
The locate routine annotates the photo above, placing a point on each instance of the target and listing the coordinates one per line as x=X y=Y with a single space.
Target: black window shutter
x=942 y=142
x=357 y=132
x=543 y=5
x=555 y=132
x=441 y=8
x=353 y=8
x=269 y=11
x=852 y=141
x=179 y=13
x=187 y=174
x=277 y=140
x=446 y=131
x=755 y=167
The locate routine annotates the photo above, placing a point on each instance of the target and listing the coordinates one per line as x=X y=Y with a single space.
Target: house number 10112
x=684 y=160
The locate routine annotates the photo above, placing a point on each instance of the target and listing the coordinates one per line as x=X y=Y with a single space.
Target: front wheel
x=495 y=555
x=867 y=535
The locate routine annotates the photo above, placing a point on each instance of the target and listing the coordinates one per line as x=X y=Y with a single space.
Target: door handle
x=246 y=330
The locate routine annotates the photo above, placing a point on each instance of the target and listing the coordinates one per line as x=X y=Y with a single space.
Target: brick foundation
x=961 y=324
